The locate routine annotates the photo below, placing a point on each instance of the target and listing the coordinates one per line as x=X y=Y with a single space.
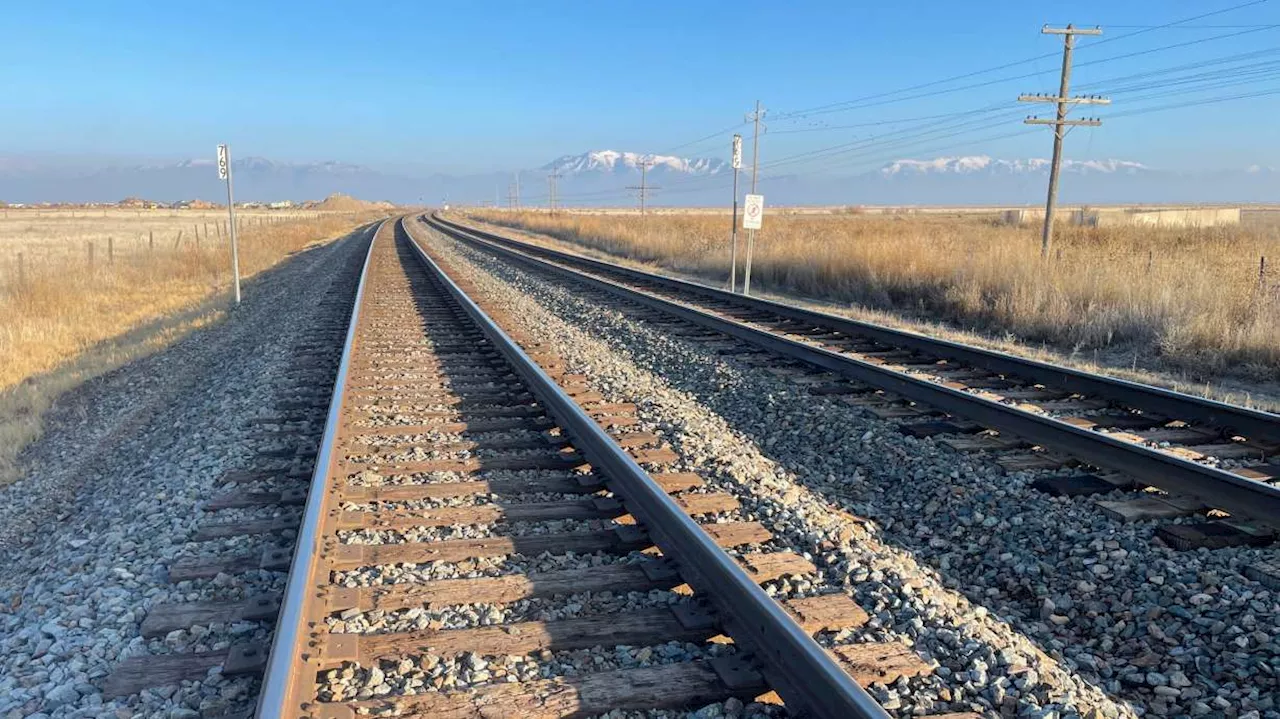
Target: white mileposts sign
x=222 y=162
x=752 y=212
x=224 y=174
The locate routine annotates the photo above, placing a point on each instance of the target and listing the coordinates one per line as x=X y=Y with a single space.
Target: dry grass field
x=70 y=309
x=1192 y=298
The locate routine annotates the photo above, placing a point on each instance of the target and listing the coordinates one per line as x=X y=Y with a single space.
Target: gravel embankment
x=1030 y=605
x=110 y=494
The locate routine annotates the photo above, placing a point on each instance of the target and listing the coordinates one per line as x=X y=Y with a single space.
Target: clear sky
x=478 y=86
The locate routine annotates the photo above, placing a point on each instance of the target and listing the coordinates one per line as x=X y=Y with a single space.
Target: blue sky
x=478 y=86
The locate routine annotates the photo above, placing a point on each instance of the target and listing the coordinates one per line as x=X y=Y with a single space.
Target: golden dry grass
x=1192 y=296
x=65 y=320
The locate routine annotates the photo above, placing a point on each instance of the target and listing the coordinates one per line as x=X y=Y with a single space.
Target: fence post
x=111 y=250
x=22 y=270
x=1262 y=275
x=89 y=246
x=178 y=242
x=151 y=240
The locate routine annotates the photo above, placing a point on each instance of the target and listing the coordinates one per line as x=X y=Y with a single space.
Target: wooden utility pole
x=1060 y=123
x=755 y=118
x=551 y=188
x=644 y=188
x=736 y=161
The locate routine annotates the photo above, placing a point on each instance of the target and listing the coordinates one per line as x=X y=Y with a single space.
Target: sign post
x=224 y=173
x=733 y=233
x=752 y=214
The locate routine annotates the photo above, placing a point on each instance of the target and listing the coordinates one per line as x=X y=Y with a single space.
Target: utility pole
x=733 y=232
x=644 y=187
x=517 y=190
x=551 y=188
x=1060 y=123
x=755 y=118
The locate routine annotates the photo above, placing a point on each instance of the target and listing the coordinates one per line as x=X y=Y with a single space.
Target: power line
x=862 y=104
x=841 y=106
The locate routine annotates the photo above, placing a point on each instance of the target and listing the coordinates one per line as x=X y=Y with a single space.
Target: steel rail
x=277 y=695
x=1220 y=489
x=1250 y=423
x=807 y=677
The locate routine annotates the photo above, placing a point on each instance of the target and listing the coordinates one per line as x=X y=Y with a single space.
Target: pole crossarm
x=1077 y=100
x=1071 y=30
x=1085 y=122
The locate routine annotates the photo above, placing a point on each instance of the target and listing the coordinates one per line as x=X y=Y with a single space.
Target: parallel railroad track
x=463 y=470
x=1207 y=455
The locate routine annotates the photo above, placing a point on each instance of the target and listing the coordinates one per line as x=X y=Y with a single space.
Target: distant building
x=1131 y=216
x=137 y=203
x=194 y=205
x=281 y=205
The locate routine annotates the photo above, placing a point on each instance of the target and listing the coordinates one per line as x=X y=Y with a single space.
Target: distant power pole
x=736 y=162
x=1060 y=123
x=644 y=188
x=551 y=188
x=755 y=118
x=517 y=174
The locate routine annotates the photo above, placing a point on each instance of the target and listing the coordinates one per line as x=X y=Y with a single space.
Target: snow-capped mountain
x=984 y=164
x=615 y=162
x=609 y=177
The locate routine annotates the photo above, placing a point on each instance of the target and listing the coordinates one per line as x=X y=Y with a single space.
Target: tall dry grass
x=64 y=319
x=1192 y=296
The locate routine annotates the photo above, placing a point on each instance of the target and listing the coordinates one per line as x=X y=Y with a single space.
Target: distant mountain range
x=601 y=177
x=981 y=164
x=628 y=163
x=256 y=178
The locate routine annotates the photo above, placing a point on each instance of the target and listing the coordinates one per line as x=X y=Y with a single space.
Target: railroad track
x=1095 y=433
x=461 y=468
x=484 y=536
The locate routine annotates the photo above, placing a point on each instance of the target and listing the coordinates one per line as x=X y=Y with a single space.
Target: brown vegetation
x=70 y=312
x=1193 y=296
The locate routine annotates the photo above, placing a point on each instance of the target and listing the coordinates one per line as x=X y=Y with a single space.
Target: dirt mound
x=338 y=202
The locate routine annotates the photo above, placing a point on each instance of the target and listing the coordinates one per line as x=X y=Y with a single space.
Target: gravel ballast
x=111 y=494
x=1030 y=605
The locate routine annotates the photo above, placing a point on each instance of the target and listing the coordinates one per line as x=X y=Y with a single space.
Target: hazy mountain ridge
x=602 y=177
x=975 y=164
